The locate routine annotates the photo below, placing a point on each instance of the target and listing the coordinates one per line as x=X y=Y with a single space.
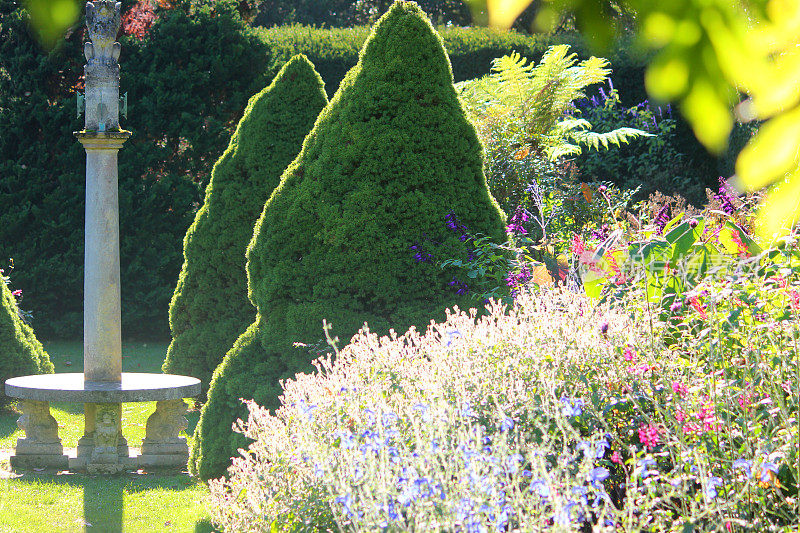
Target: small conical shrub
x=210 y=309
x=21 y=354
x=389 y=159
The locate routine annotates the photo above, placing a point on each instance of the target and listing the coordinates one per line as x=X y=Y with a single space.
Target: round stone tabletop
x=134 y=387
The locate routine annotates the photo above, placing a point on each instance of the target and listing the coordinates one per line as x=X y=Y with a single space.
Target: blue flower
x=710 y=489
x=306 y=409
x=540 y=487
x=455 y=334
x=600 y=448
x=766 y=468
x=597 y=476
x=572 y=406
x=507 y=424
x=745 y=465
x=346 y=502
x=642 y=468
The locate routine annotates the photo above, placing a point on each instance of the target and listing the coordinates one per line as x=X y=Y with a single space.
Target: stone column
x=102 y=341
x=102 y=441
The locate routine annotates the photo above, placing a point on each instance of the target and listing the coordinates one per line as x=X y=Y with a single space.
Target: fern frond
x=605 y=140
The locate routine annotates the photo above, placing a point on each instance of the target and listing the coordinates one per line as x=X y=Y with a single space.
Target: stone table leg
x=105 y=457
x=162 y=446
x=86 y=442
x=41 y=447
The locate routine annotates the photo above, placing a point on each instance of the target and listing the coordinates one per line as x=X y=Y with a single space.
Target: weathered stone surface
x=31 y=461
x=163 y=461
x=38 y=424
x=133 y=387
x=41 y=447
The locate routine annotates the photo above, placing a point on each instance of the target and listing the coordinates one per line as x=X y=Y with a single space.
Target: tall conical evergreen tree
x=390 y=157
x=21 y=353
x=210 y=309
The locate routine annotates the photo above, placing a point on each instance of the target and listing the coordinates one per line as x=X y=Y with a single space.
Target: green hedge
x=187 y=83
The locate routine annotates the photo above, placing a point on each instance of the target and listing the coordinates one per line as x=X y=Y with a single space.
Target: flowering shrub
x=551 y=415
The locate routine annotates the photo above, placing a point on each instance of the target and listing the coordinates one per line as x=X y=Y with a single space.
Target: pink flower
x=616 y=457
x=629 y=354
x=640 y=370
x=649 y=435
x=679 y=388
x=17 y=293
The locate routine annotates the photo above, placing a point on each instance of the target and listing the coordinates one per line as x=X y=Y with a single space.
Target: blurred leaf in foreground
x=51 y=18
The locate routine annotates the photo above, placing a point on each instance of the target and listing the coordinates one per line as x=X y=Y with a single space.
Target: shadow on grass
x=103 y=496
x=8 y=422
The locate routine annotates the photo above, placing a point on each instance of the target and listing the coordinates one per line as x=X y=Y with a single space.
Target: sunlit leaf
x=51 y=18
x=587 y=192
x=771 y=153
x=658 y=29
x=667 y=78
x=541 y=276
x=522 y=153
x=781 y=210
x=503 y=13
x=709 y=115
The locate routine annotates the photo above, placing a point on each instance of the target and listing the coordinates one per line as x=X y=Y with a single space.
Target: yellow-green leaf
x=666 y=78
x=771 y=153
x=51 y=18
x=503 y=13
x=709 y=115
x=781 y=210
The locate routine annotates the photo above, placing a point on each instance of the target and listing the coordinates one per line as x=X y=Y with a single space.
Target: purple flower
x=507 y=424
x=662 y=218
x=725 y=197
x=712 y=484
x=766 y=468
x=572 y=406
x=745 y=465
x=597 y=476
x=459 y=286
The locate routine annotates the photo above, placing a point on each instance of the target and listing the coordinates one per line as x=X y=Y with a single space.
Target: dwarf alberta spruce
x=388 y=159
x=22 y=353
x=205 y=323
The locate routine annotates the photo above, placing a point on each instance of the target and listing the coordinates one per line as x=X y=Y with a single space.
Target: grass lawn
x=135 y=502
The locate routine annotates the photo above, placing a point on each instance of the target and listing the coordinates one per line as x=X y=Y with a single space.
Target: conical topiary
x=21 y=353
x=390 y=157
x=210 y=309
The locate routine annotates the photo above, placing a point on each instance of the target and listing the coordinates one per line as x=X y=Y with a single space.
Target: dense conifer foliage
x=210 y=308
x=388 y=161
x=188 y=80
x=21 y=353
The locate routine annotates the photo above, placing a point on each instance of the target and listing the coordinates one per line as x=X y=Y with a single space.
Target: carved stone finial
x=103 y=19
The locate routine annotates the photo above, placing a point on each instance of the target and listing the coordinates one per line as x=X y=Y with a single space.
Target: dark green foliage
x=342 y=13
x=388 y=159
x=187 y=83
x=670 y=162
x=210 y=309
x=471 y=50
x=21 y=353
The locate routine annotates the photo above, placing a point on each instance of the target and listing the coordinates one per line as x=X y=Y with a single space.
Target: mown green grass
x=135 y=502
x=69 y=503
